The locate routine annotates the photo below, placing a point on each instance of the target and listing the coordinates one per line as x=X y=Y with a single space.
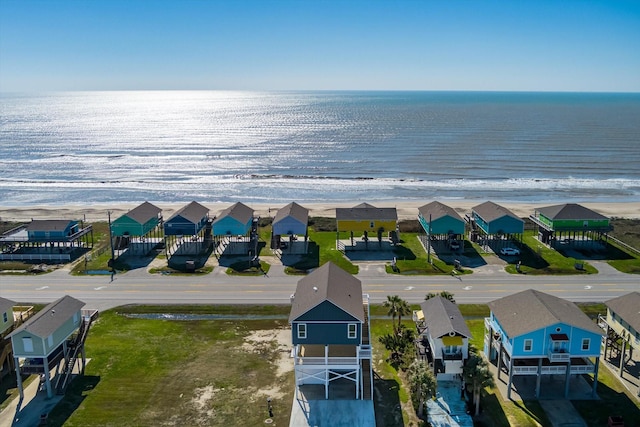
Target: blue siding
x=504 y=225
x=52 y=235
x=230 y=226
x=289 y=225
x=179 y=226
x=326 y=333
x=442 y=225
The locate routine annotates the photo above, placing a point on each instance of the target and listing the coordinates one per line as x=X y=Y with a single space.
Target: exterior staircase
x=366 y=355
x=76 y=346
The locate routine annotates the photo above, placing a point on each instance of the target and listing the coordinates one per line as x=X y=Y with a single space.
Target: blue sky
x=515 y=45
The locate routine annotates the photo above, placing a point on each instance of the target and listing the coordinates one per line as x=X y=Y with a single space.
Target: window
x=372 y=224
x=27 y=343
x=528 y=345
x=50 y=340
x=352 y=331
x=4 y=317
x=302 y=330
x=450 y=349
x=585 y=344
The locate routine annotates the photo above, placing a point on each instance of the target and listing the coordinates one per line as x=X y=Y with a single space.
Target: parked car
x=509 y=251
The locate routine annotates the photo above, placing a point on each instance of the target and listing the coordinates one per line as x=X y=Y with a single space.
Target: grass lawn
x=158 y=372
x=615 y=399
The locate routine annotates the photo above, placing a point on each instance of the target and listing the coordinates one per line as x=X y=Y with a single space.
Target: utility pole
x=429 y=241
x=111 y=240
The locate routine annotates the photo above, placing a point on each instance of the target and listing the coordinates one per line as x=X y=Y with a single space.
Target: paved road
x=486 y=284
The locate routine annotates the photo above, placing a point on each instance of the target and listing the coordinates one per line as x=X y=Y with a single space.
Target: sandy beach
x=406 y=209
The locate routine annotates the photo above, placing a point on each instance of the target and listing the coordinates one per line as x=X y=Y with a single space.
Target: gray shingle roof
x=192 y=212
x=48 y=224
x=365 y=211
x=293 y=210
x=569 y=211
x=50 y=318
x=490 y=211
x=438 y=210
x=442 y=316
x=531 y=310
x=6 y=305
x=238 y=211
x=328 y=283
x=143 y=213
x=627 y=307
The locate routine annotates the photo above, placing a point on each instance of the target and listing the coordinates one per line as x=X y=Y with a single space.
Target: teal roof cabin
x=233 y=221
x=55 y=230
x=188 y=221
x=138 y=221
x=437 y=218
x=493 y=219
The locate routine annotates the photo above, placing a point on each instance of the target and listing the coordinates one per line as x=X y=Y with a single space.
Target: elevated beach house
x=622 y=326
x=291 y=220
x=537 y=334
x=58 y=240
x=365 y=219
x=138 y=229
x=6 y=326
x=52 y=339
x=443 y=337
x=330 y=332
x=232 y=228
x=490 y=221
x=570 y=223
x=187 y=225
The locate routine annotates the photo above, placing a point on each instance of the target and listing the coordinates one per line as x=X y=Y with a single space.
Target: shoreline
x=407 y=209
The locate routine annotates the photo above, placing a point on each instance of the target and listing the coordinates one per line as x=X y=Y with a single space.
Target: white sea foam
x=174 y=146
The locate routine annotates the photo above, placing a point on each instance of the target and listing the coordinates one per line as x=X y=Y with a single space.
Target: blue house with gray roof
x=537 y=334
x=330 y=331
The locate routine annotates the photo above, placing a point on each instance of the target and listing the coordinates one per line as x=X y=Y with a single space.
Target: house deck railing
x=587 y=368
x=558 y=356
x=328 y=361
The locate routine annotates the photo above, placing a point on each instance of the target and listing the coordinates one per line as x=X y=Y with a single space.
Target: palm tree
x=476 y=372
x=403 y=310
x=444 y=294
x=422 y=384
x=392 y=303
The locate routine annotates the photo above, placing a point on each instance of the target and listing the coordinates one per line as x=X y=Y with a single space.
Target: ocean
x=278 y=147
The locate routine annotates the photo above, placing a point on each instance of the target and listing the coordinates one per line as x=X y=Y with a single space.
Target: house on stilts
x=570 y=225
x=532 y=333
x=330 y=333
x=51 y=343
x=138 y=231
x=291 y=221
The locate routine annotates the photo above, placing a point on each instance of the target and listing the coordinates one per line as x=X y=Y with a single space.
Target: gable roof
x=50 y=318
x=365 y=211
x=192 y=212
x=293 y=210
x=627 y=307
x=569 y=211
x=328 y=283
x=49 y=224
x=238 y=211
x=442 y=316
x=531 y=310
x=438 y=210
x=6 y=305
x=143 y=213
x=490 y=211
